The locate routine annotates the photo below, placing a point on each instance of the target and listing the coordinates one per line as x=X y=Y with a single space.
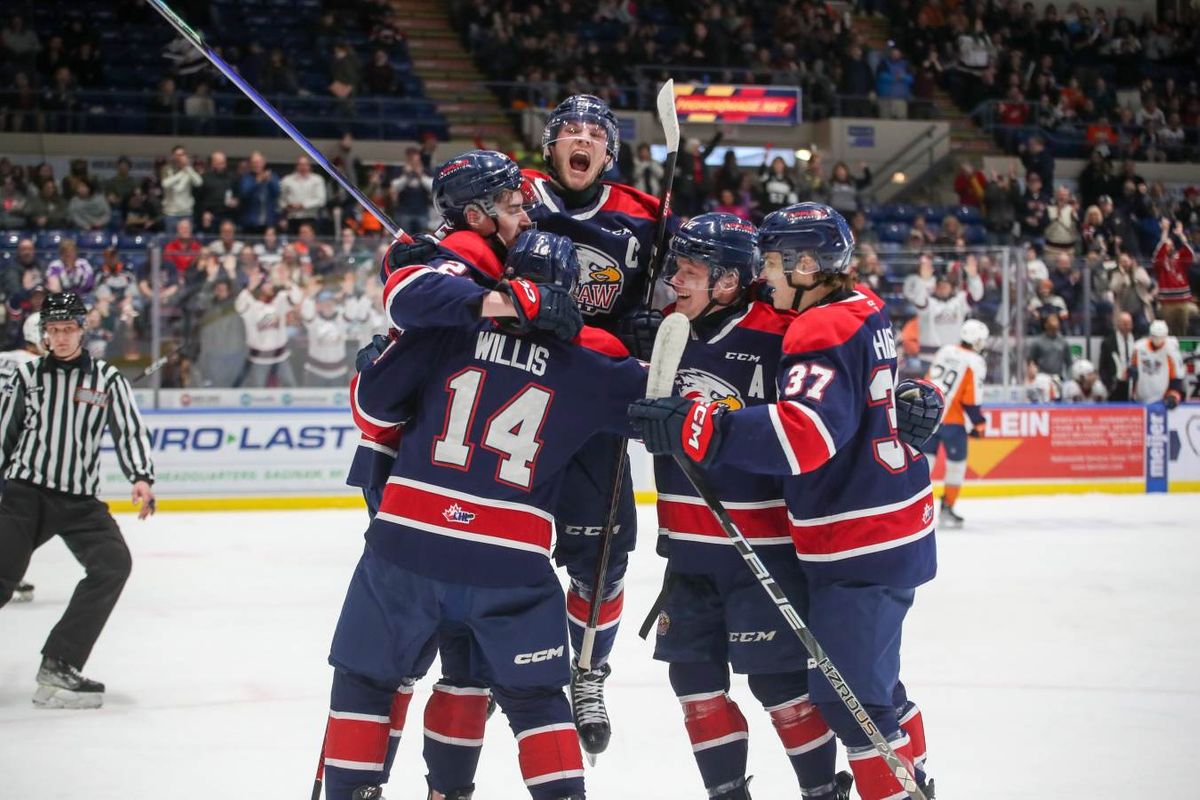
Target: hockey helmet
x=812 y=230
x=543 y=257
x=474 y=178
x=63 y=307
x=589 y=110
x=974 y=333
x=1159 y=331
x=723 y=242
x=31 y=330
x=1081 y=369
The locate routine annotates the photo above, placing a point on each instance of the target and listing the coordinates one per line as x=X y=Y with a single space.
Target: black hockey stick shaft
x=802 y=631
x=607 y=535
x=669 y=119
x=157 y=364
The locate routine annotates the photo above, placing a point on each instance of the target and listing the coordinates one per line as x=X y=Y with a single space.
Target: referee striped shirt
x=52 y=418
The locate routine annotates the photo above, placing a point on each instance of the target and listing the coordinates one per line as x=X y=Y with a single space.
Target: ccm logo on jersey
x=751 y=636
x=588 y=530
x=731 y=356
x=538 y=656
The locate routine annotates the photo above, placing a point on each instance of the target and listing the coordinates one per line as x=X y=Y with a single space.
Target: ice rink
x=1055 y=656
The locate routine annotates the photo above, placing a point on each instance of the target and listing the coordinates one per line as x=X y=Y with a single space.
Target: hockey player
x=10 y=362
x=612 y=227
x=714 y=616
x=1157 y=370
x=461 y=542
x=859 y=500
x=959 y=371
x=1085 y=385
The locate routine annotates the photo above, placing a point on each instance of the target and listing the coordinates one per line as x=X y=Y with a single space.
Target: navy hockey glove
x=374 y=349
x=1171 y=399
x=637 y=332
x=919 y=407
x=678 y=426
x=544 y=307
x=419 y=250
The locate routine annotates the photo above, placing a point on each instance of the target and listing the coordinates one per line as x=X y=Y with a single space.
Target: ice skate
x=61 y=686
x=23 y=593
x=948 y=518
x=587 y=705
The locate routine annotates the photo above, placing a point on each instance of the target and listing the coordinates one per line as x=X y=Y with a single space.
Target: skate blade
x=22 y=597
x=591 y=758
x=56 y=697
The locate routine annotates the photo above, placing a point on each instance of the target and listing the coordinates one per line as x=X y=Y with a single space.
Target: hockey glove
x=637 y=332
x=374 y=349
x=919 y=407
x=419 y=250
x=543 y=307
x=1171 y=399
x=678 y=426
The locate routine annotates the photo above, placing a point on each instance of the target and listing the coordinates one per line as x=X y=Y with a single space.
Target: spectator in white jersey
x=264 y=309
x=942 y=308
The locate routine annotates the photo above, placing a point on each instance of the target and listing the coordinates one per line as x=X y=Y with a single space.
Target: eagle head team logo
x=456 y=513
x=664 y=623
x=600 y=280
x=696 y=384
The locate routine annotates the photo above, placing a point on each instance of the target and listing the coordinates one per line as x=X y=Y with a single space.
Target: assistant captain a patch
x=93 y=397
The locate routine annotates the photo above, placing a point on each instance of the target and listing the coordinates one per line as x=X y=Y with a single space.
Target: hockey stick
x=669 y=120
x=668 y=349
x=157 y=364
x=802 y=631
x=194 y=38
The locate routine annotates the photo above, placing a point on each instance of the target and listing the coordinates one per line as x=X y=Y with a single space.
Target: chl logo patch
x=456 y=513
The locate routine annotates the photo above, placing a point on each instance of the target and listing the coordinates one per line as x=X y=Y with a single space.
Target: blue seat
x=137 y=241
x=901 y=212
x=969 y=215
x=975 y=234
x=932 y=214
x=49 y=240
x=95 y=240
x=9 y=240
x=893 y=232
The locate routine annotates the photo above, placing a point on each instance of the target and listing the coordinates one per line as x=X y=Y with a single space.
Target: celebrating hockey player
x=859 y=499
x=1157 y=369
x=959 y=371
x=612 y=227
x=713 y=615
x=461 y=544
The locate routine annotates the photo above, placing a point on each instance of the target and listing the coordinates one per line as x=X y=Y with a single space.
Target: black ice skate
x=587 y=704
x=23 y=593
x=736 y=790
x=61 y=686
x=367 y=793
x=949 y=518
x=842 y=783
x=457 y=794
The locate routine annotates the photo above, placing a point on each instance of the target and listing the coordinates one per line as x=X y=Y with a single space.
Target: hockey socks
x=364 y=727
x=455 y=717
x=547 y=744
x=913 y=724
x=809 y=743
x=579 y=606
x=714 y=723
x=872 y=776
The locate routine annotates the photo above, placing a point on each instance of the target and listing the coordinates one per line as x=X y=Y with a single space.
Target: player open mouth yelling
x=580 y=162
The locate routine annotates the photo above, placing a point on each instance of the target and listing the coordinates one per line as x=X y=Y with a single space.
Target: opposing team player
x=859 y=499
x=10 y=362
x=959 y=371
x=462 y=540
x=612 y=227
x=1157 y=368
x=1085 y=385
x=714 y=615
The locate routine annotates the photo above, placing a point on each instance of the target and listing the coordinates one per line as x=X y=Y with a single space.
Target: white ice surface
x=1055 y=656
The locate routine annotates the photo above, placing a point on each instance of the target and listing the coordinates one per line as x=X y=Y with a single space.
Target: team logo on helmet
x=453 y=166
x=696 y=384
x=807 y=214
x=600 y=280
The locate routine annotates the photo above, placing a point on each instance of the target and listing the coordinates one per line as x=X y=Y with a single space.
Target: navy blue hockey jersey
x=735 y=366
x=860 y=502
x=614 y=239
x=491 y=420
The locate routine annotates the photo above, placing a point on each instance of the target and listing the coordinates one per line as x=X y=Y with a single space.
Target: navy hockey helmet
x=475 y=178
x=63 y=307
x=808 y=229
x=544 y=257
x=589 y=110
x=724 y=242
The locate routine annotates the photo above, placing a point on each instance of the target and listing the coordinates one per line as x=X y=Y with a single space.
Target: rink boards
x=255 y=457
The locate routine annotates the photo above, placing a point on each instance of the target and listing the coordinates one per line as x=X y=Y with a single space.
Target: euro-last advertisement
x=256 y=452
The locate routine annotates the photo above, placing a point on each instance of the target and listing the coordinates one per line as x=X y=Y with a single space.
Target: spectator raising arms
x=179 y=182
x=1173 y=260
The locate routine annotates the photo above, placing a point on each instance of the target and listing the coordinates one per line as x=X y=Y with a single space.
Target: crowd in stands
x=333 y=66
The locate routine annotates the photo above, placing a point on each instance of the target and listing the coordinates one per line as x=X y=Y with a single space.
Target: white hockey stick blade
x=672 y=337
x=667 y=116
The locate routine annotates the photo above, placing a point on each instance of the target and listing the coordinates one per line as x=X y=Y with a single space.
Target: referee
x=52 y=415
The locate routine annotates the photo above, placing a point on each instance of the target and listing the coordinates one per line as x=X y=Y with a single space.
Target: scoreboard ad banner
x=734 y=104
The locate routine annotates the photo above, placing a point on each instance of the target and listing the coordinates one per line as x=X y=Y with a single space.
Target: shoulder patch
x=824 y=327
x=474 y=251
x=628 y=200
x=601 y=341
x=763 y=317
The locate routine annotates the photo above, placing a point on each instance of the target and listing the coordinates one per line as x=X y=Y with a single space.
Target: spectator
x=1172 y=138
x=278 y=77
x=411 y=193
x=179 y=181
x=25 y=301
x=1032 y=209
x=46 y=209
x=302 y=195
x=647 y=173
x=776 y=186
x=200 y=109
x=893 y=85
x=222 y=334
x=1050 y=351
x=269 y=251
x=1116 y=357
x=141 y=213
x=1118 y=228
x=1036 y=158
x=1067 y=281
x=941 y=308
x=18 y=42
x=60 y=101
x=12 y=273
x=227 y=247
x=12 y=205
x=77 y=174
x=1173 y=260
x=950 y=233
x=1095 y=179
x=119 y=187
x=729 y=203
x=1045 y=303
x=69 y=272
x=344 y=75
x=20 y=105
x=858 y=84
x=87 y=211
x=844 y=189
x=215 y=199
x=350 y=255
x=380 y=76
x=113 y=279
x=325 y=322
x=691 y=176
x=1001 y=199
x=317 y=256
x=264 y=308
x=920 y=235
x=970 y=184
x=1062 y=223
x=258 y=196
x=181 y=253
x=1132 y=292
x=1035 y=269
x=164 y=107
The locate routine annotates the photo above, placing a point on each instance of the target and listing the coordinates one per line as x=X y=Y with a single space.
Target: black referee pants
x=29 y=516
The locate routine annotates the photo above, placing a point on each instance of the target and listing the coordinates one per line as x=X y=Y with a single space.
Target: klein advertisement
x=737 y=105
